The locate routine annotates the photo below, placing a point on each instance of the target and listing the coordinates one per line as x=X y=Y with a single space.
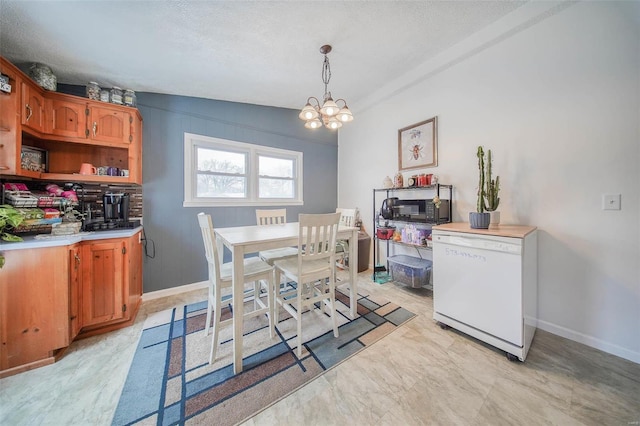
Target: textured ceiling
x=258 y=52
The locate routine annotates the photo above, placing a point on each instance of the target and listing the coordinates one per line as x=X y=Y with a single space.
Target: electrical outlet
x=611 y=201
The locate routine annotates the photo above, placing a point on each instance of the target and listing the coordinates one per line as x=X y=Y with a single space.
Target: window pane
x=211 y=160
x=220 y=186
x=276 y=188
x=276 y=167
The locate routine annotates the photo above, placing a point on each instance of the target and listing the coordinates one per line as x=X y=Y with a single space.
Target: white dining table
x=252 y=239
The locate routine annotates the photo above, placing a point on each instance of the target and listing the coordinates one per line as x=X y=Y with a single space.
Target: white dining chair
x=256 y=271
x=313 y=270
x=274 y=217
x=347 y=218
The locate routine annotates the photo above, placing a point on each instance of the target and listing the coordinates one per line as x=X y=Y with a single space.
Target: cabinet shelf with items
x=68 y=131
x=403 y=218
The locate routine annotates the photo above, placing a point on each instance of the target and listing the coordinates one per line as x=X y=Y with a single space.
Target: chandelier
x=329 y=114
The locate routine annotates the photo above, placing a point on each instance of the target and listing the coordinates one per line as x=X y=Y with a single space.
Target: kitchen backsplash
x=90 y=194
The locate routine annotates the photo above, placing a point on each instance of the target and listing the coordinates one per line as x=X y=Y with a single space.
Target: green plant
x=481 y=193
x=69 y=213
x=10 y=219
x=492 y=187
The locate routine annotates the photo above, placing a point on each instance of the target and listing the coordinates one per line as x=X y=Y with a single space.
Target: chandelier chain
x=326 y=76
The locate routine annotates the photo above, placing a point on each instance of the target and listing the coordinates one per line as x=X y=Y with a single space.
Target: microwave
x=421 y=211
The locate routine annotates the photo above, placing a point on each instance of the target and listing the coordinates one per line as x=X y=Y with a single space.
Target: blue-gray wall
x=179 y=257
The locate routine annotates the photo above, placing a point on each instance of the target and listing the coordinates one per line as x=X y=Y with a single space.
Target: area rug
x=171 y=382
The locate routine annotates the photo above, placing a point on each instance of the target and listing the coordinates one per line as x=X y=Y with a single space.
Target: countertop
x=36 y=241
x=514 y=231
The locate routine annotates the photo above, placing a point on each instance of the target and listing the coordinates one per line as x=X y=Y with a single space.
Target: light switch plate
x=611 y=201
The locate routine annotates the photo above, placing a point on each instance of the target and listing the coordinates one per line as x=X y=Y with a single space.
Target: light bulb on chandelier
x=330 y=114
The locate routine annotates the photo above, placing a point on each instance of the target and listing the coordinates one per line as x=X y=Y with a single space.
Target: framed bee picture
x=418 y=145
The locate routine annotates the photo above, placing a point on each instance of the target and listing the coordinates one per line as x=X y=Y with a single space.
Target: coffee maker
x=116 y=207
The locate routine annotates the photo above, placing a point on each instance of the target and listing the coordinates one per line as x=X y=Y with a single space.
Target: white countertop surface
x=44 y=240
x=517 y=231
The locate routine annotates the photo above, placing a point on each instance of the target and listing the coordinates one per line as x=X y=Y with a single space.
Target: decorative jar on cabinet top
x=116 y=95
x=398 y=181
x=129 y=98
x=93 y=91
x=42 y=74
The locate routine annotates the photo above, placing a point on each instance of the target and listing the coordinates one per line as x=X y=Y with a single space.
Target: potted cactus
x=491 y=194
x=480 y=219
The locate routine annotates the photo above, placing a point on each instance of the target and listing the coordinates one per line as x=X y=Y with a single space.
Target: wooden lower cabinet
x=102 y=282
x=51 y=296
x=111 y=283
x=34 y=307
x=75 y=282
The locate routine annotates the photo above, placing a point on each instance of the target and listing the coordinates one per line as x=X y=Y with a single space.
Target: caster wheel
x=443 y=326
x=512 y=357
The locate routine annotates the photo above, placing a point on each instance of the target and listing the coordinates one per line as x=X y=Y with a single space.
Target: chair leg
x=256 y=294
x=299 y=323
x=332 y=301
x=207 y=325
x=271 y=303
x=276 y=291
x=216 y=328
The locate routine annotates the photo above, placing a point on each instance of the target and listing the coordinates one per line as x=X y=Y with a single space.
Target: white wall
x=554 y=92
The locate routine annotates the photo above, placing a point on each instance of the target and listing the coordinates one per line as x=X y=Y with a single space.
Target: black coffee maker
x=116 y=207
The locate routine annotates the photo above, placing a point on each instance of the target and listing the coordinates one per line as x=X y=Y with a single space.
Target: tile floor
x=418 y=375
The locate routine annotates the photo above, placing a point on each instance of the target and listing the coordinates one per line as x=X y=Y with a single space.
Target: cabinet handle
x=77 y=260
x=95 y=128
x=4 y=168
x=29 y=110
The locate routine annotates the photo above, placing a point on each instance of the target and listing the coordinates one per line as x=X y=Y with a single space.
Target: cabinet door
x=66 y=118
x=9 y=121
x=34 y=305
x=32 y=107
x=135 y=150
x=134 y=273
x=74 y=291
x=102 y=282
x=110 y=125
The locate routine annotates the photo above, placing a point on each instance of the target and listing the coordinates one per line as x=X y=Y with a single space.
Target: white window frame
x=193 y=141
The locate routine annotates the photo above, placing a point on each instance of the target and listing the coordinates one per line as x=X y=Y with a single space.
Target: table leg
x=353 y=273
x=238 y=306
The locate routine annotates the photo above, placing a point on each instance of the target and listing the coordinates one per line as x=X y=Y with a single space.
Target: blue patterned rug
x=171 y=382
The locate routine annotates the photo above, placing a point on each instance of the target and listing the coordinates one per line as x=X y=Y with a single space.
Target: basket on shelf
x=36 y=226
x=66 y=228
x=29 y=199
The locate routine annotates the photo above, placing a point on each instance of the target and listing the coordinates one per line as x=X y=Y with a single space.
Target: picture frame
x=34 y=159
x=418 y=145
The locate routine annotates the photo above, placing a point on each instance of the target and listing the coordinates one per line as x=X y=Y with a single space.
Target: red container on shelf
x=384 y=232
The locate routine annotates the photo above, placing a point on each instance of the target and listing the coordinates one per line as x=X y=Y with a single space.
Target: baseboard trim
x=174 y=290
x=591 y=341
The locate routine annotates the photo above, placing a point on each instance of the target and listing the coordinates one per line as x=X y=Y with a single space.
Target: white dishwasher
x=485 y=283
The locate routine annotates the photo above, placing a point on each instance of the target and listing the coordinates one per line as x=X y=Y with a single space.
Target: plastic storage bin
x=410 y=270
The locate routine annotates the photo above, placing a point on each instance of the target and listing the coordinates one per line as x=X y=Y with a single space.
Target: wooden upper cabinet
x=66 y=116
x=71 y=129
x=135 y=150
x=32 y=106
x=9 y=121
x=109 y=124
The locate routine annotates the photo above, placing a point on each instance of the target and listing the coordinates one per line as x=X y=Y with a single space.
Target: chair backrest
x=317 y=236
x=271 y=217
x=348 y=216
x=210 y=247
